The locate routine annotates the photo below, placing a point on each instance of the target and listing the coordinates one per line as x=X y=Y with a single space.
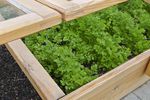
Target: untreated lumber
x=116 y=83
x=37 y=8
x=72 y=9
x=37 y=17
x=148 y=69
x=40 y=79
x=111 y=86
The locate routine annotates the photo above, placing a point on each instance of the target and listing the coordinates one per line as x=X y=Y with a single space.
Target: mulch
x=13 y=83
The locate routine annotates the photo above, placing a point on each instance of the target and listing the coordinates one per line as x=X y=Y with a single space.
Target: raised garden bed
x=126 y=36
x=116 y=83
x=21 y=18
x=71 y=9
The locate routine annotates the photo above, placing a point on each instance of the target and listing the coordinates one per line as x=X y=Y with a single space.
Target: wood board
x=36 y=17
x=111 y=86
x=71 y=9
x=40 y=79
x=115 y=84
x=148 y=69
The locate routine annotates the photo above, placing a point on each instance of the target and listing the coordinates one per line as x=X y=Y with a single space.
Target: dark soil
x=13 y=83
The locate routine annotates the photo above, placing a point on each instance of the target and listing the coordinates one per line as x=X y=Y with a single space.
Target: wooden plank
x=29 y=23
x=148 y=1
x=147 y=72
x=72 y=9
x=116 y=83
x=8 y=27
x=36 y=7
x=37 y=75
x=24 y=25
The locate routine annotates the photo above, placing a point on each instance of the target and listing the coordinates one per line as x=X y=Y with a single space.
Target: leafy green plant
x=79 y=51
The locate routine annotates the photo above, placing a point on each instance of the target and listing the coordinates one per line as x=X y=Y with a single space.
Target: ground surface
x=13 y=83
x=142 y=93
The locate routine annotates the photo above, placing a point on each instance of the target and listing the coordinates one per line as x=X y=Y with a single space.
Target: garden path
x=141 y=93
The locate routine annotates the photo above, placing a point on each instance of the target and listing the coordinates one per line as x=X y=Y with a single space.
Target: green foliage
x=78 y=51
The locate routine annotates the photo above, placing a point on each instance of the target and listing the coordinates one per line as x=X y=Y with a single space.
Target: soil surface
x=13 y=83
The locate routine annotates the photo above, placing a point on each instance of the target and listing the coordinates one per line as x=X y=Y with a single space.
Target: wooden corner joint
x=147 y=72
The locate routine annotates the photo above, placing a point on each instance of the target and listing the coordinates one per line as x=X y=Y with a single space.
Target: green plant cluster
x=81 y=50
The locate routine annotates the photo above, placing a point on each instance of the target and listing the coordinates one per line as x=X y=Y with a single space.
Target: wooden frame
x=37 y=17
x=42 y=82
x=148 y=69
x=71 y=9
x=111 y=86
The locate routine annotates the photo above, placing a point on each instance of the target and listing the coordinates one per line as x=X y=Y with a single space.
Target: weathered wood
x=37 y=75
x=111 y=86
x=72 y=9
x=38 y=17
x=116 y=83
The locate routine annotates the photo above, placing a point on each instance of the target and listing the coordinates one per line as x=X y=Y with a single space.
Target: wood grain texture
x=72 y=9
x=40 y=17
x=148 y=69
x=42 y=82
x=116 y=83
x=111 y=86
x=37 y=8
